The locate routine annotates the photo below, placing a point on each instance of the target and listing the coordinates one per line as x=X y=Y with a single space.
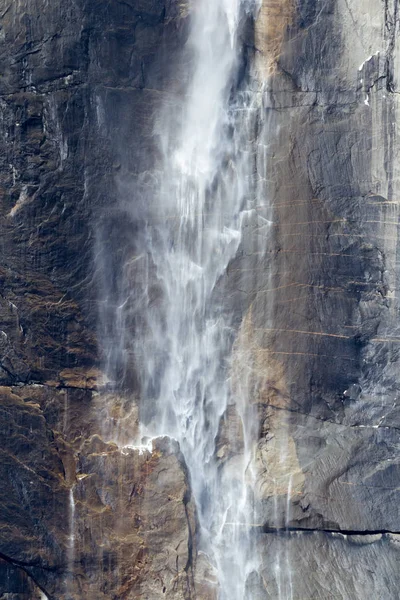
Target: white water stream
x=207 y=169
x=204 y=197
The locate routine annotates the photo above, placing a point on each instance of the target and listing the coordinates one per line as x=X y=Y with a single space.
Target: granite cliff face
x=317 y=318
x=332 y=300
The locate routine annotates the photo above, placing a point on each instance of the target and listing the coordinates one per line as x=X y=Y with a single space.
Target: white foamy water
x=207 y=177
x=206 y=190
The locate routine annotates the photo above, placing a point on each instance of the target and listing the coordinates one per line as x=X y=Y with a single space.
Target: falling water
x=287 y=519
x=193 y=230
x=207 y=167
x=71 y=540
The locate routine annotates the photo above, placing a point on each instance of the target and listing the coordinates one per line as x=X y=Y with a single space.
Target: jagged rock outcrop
x=80 y=85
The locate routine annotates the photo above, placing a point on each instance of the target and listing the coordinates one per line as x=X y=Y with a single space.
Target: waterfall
x=71 y=543
x=205 y=194
x=207 y=169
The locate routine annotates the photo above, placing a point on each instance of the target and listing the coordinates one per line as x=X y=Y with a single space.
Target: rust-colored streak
x=315 y=354
x=317 y=333
x=302 y=285
x=323 y=334
x=273 y=20
x=320 y=222
x=285 y=204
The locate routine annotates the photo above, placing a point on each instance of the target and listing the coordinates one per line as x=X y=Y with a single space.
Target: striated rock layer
x=84 y=514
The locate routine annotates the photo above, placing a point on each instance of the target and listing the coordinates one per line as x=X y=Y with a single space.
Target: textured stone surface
x=66 y=68
x=326 y=566
x=134 y=523
x=83 y=517
x=329 y=315
x=326 y=322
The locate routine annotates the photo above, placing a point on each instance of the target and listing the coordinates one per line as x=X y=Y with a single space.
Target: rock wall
x=80 y=515
x=328 y=318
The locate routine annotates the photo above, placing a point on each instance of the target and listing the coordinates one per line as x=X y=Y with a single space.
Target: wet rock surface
x=80 y=85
